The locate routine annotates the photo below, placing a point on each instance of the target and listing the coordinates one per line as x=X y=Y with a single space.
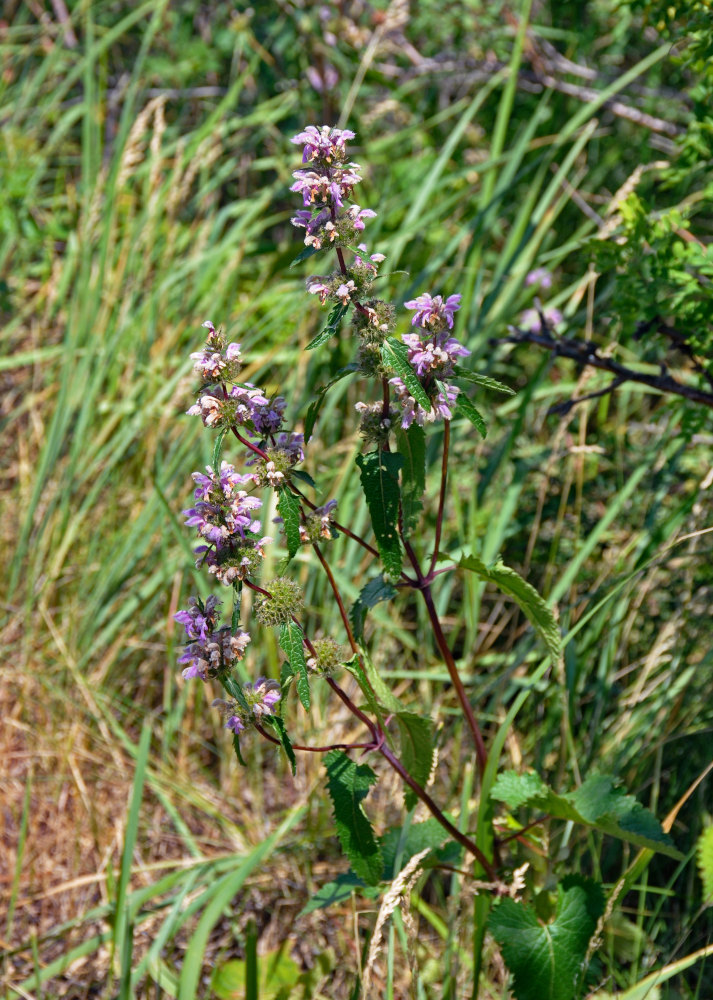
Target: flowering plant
x=421 y=384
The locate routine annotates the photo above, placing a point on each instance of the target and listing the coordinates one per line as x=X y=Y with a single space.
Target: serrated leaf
x=411 y=446
x=484 y=380
x=466 y=409
x=333 y=321
x=546 y=961
x=704 y=857
x=348 y=784
x=292 y=644
x=278 y=724
x=376 y=692
x=304 y=255
x=597 y=804
x=371 y=594
x=394 y=354
x=416 y=734
x=288 y=506
x=379 y=474
x=526 y=597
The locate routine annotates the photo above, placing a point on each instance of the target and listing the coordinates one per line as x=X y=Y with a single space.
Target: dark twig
x=584 y=353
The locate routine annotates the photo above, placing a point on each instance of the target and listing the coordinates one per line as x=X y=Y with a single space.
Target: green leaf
x=288 y=506
x=466 y=409
x=236 y=747
x=395 y=355
x=333 y=321
x=417 y=838
x=379 y=473
x=218 y=447
x=304 y=255
x=704 y=857
x=483 y=380
x=411 y=446
x=303 y=477
x=348 y=784
x=339 y=891
x=546 y=961
x=525 y=596
x=291 y=642
x=316 y=405
x=277 y=723
x=372 y=593
x=278 y=974
x=597 y=803
x=416 y=734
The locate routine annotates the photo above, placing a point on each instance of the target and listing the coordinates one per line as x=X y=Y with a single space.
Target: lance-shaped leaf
x=377 y=693
x=411 y=446
x=466 y=409
x=277 y=723
x=596 y=803
x=394 y=354
x=416 y=750
x=484 y=380
x=525 y=595
x=333 y=321
x=289 y=507
x=546 y=960
x=372 y=593
x=218 y=447
x=291 y=642
x=348 y=784
x=379 y=473
x=305 y=255
x=339 y=891
x=316 y=405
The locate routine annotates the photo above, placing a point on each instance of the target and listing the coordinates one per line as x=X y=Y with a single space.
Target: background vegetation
x=145 y=164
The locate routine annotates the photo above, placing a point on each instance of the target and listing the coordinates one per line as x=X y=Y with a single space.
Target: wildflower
x=209 y=408
x=261 y=698
x=323 y=143
x=531 y=319
x=211 y=650
x=540 y=277
x=316 y=286
x=442 y=405
x=199 y=619
x=433 y=312
x=438 y=353
x=327 y=656
x=285 y=600
x=344 y=292
x=357 y=215
x=319 y=523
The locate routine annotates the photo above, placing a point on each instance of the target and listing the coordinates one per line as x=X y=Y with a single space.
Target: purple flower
x=531 y=320
x=438 y=353
x=322 y=143
x=540 y=277
x=261 y=698
x=211 y=650
x=222 y=513
x=433 y=312
x=357 y=215
x=441 y=406
x=199 y=619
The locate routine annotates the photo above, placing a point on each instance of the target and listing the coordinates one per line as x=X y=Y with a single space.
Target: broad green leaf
x=416 y=734
x=339 y=891
x=546 y=960
x=348 y=785
x=278 y=974
x=466 y=409
x=372 y=593
x=525 y=595
x=484 y=380
x=333 y=321
x=289 y=507
x=411 y=446
x=278 y=724
x=704 y=857
x=394 y=354
x=379 y=474
x=292 y=644
x=597 y=803
x=397 y=845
